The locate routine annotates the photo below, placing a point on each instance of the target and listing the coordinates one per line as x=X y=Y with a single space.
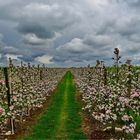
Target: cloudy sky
x=69 y=32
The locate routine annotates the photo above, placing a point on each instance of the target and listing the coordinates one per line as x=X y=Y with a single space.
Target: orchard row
x=112 y=95
x=22 y=90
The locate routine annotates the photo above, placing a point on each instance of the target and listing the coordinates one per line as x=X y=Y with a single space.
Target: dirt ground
x=24 y=128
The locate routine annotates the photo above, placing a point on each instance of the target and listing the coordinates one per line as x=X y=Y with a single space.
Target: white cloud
x=76 y=45
x=12 y=56
x=44 y=59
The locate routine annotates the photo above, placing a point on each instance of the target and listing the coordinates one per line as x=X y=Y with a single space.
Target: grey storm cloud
x=134 y=3
x=38 y=30
x=69 y=33
x=98 y=40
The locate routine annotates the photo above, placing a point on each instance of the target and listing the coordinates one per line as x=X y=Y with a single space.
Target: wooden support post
x=8 y=96
x=7 y=85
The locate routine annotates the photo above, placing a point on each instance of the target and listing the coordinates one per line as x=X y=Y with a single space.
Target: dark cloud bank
x=69 y=33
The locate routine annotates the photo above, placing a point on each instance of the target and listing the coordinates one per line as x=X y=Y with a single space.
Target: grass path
x=61 y=120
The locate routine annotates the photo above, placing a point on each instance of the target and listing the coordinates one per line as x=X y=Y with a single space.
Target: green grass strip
x=61 y=120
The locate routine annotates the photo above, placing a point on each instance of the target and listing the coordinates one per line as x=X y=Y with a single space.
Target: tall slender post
x=7 y=85
x=9 y=96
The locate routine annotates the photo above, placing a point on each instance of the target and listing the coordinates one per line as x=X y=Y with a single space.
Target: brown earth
x=93 y=128
x=23 y=129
